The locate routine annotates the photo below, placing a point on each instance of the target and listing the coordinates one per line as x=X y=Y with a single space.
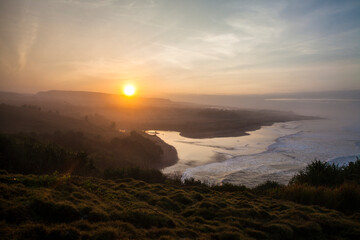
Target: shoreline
x=269 y=141
x=170 y=155
x=231 y=128
x=224 y=133
x=235 y=132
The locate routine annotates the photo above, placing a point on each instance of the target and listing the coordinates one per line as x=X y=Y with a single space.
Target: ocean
x=274 y=152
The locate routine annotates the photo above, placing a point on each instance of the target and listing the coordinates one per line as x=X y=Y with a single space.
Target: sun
x=129 y=90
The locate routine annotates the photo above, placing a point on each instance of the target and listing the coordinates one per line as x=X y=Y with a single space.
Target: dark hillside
x=31 y=118
x=105 y=145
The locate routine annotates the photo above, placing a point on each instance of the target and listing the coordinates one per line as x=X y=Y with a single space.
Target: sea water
x=274 y=152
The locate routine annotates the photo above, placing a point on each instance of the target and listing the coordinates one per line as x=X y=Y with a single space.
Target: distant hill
x=192 y=120
x=98 y=99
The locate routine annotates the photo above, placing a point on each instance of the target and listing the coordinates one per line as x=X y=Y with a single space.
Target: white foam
x=272 y=153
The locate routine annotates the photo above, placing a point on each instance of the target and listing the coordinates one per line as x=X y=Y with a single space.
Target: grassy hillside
x=70 y=207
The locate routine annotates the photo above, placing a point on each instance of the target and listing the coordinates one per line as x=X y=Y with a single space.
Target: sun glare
x=129 y=90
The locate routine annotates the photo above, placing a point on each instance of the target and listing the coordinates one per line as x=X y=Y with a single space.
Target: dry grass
x=93 y=208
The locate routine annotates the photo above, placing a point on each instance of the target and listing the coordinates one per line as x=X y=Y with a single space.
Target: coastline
x=225 y=129
x=222 y=130
x=284 y=157
x=224 y=133
x=170 y=155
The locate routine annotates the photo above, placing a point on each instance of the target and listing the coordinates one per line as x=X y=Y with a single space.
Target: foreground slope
x=64 y=207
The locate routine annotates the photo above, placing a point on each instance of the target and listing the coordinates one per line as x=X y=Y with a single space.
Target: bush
x=64 y=233
x=146 y=175
x=167 y=204
x=32 y=232
x=24 y=154
x=228 y=187
x=345 y=198
x=106 y=234
x=181 y=198
x=324 y=174
x=267 y=187
x=227 y=235
x=280 y=231
x=144 y=219
x=16 y=214
x=53 y=212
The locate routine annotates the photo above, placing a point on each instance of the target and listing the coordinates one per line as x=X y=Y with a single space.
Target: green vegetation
x=147 y=175
x=102 y=142
x=321 y=184
x=74 y=207
x=23 y=154
x=323 y=174
x=75 y=153
x=121 y=151
x=345 y=197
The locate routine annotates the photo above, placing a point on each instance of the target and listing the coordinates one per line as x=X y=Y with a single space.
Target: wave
x=282 y=159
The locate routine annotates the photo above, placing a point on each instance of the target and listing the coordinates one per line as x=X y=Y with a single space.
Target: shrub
x=156 y=233
x=168 y=204
x=105 y=234
x=21 y=153
x=280 y=231
x=348 y=198
x=267 y=187
x=16 y=214
x=206 y=213
x=53 y=212
x=192 y=182
x=257 y=234
x=226 y=235
x=324 y=174
x=228 y=187
x=186 y=234
x=144 y=219
x=345 y=197
x=97 y=216
x=64 y=233
x=146 y=175
x=32 y=232
x=181 y=198
x=198 y=197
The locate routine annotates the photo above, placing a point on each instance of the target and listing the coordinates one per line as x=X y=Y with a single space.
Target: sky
x=180 y=47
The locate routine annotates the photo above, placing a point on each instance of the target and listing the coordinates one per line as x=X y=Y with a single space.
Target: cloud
x=29 y=32
x=223 y=44
x=124 y=4
x=179 y=57
x=179 y=42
